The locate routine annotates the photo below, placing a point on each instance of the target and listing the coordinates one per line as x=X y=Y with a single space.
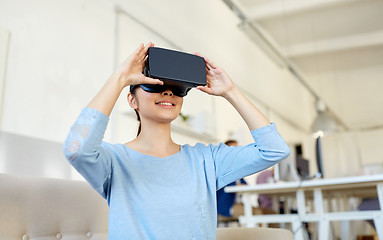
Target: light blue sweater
x=164 y=198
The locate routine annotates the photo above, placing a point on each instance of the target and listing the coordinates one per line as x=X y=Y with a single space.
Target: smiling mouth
x=165 y=104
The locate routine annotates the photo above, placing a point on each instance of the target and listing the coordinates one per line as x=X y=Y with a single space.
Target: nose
x=167 y=92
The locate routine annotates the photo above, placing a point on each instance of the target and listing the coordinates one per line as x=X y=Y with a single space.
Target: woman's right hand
x=130 y=71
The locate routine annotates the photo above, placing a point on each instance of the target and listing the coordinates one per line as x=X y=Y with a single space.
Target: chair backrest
x=42 y=208
x=239 y=233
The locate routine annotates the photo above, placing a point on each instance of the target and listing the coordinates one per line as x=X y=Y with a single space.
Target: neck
x=155 y=134
x=154 y=139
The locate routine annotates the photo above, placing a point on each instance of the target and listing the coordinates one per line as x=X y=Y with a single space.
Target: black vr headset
x=179 y=71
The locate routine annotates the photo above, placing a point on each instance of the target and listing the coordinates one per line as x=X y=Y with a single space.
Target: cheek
x=144 y=99
x=180 y=103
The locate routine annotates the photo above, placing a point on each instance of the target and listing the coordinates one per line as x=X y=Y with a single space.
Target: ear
x=132 y=101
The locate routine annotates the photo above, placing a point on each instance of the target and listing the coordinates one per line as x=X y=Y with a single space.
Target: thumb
x=205 y=89
x=148 y=80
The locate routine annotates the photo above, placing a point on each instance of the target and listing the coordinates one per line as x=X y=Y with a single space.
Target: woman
x=155 y=188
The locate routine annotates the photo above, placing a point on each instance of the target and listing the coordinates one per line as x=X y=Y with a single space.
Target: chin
x=168 y=119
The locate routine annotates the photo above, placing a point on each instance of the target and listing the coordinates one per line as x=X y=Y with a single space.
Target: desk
x=360 y=186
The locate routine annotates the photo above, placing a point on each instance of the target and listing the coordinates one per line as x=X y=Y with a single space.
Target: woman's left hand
x=218 y=83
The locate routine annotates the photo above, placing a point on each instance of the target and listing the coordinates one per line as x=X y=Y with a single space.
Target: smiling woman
x=163 y=100
x=155 y=188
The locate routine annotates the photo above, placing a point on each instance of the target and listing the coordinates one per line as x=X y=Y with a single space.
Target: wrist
x=231 y=93
x=118 y=80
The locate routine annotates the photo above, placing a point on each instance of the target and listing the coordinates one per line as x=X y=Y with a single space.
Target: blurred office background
x=296 y=60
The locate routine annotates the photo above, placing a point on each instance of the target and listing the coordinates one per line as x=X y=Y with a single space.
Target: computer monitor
x=294 y=167
x=302 y=164
x=286 y=170
x=303 y=168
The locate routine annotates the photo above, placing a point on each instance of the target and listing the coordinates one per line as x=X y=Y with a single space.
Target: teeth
x=165 y=104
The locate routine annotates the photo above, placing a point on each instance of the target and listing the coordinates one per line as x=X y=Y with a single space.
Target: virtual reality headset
x=179 y=71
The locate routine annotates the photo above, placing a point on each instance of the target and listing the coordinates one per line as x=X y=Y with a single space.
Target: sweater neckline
x=151 y=156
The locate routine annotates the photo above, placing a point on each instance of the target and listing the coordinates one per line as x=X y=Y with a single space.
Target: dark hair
x=230 y=142
x=133 y=92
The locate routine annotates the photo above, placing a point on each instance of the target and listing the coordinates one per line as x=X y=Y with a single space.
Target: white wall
x=4 y=39
x=347 y=153
x=61 y=52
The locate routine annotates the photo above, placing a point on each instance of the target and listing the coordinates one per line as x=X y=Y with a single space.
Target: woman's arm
x=220 y=84
x=128 y=73
x=83 y=146
x=252 y=116
x=232 y=163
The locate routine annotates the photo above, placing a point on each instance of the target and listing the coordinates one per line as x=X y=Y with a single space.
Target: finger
x=205 y=89
x=207 y=60
x=149 y=80
x=210 y=72
x=200 y=55
x=210 y=63
x=144 y=51
x=139 y=49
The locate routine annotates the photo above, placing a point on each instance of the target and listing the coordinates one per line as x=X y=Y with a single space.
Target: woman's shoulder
x=202 y=146
x=109 y=145
x=115 y=148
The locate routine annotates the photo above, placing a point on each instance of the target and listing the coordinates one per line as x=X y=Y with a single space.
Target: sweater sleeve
x=232 y=163
x=86 y=152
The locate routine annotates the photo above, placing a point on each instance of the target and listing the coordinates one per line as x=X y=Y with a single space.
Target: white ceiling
x=336 y=45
